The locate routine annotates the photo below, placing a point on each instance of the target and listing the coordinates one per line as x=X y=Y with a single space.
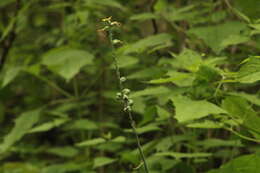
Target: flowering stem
x=123 y=95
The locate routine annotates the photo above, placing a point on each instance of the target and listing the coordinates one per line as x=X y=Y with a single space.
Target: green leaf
x=189 y=60
x=151 y=72
x=48 y=126
x=22 y=124
x=178 y=78
x=82 y=124
x=212 y=143
x=66 y=61
x=148 y=43
x=187 y=109
x=91 y=142
x=214 y=36
x=238 y=107
x=250 y=71
x=183 y=155
x=10 y=74
x=62 y=168
x=162 y=114
x=119 y=139
x=249 y=97
x=126 y=61
x=66 y=151
x=233 y=40
x=243 y=164
x=102 y=161
x=150 y=91
x=143 y=16
x=205 y=125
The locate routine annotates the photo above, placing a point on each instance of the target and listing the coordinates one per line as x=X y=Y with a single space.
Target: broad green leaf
x=249 y=97
x=212 y=143
x=165 y=143
x=178 y=78
x=150 y=91
x=187 y=109
x=139 y=105
x=143 y=16
x=148 y=43
x=233 y=40
x=238 y=107
x=62 y=168
x=10 y=74
x=217 y=16
x=161 y=5
x=256 y=29
x=48 y=126
x=63 y=151
x=91 y=142
x=148 y=115
x=162 y=114
x=214 y=36
x=66 y=61
x=82 y=124
x=126 y=61
x=151 y=72
x=189 y=60
x=102 y=161
x=183 y=155
x=119 y=139
x=205 y=125
x=243 y=164
x=22 y=124
x=250 y=71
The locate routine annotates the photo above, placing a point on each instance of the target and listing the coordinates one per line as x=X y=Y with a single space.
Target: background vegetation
x=193 y=68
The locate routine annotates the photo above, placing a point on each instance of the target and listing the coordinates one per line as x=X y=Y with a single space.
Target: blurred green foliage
x=192 y=66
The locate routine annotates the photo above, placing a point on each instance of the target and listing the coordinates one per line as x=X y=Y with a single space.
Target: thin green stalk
x=124 y=92
x=242 y=136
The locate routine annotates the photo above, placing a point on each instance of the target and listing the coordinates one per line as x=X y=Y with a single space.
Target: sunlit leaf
x=91 y=142
x=143 y=16
x=66 y=61
x=48 y=126
x=22 y=124
x=243 y=164
x=148 y=43
x=102 y=161
x=214 y=36
x=250 y=71
x=183 y=155
x=187 y=109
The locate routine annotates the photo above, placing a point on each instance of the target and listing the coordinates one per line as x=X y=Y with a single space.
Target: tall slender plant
x=123 y=95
